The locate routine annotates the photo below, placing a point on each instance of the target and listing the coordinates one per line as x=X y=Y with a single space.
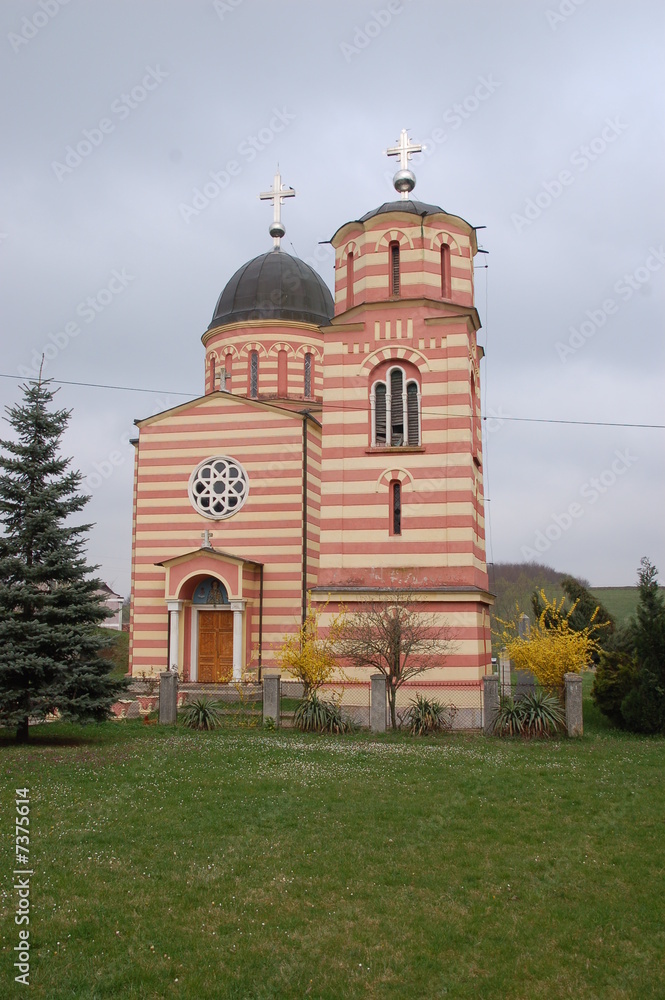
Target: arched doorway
x=214 y=625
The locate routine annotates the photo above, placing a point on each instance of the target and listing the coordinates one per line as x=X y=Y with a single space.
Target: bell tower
x=401 y=466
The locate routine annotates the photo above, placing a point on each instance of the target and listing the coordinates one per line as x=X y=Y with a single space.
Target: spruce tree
x=643 y=708
x=50 y=610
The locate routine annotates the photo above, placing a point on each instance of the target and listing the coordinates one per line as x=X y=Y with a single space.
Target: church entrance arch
x=217 y=626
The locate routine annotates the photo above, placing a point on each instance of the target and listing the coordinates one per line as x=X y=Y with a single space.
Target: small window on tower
x=228 y=372
x=349 y=280
x=395 y=507
x=413 y=413
x=308 y=375
x=445 y=271
x=213 y=373
x=254 y=374
x=394 y=268
x=380 y=413
x=282 y=373
x=396 y=407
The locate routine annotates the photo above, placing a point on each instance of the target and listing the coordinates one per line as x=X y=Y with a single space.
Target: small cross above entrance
x=277 y=195
x=206 y=536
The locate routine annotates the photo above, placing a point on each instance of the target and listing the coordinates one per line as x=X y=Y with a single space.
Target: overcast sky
x=543 y=121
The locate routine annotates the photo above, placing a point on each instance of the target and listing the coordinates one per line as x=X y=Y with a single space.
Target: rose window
x=218 y=487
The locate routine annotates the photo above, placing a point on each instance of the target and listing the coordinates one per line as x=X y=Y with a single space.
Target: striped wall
x=268 y=442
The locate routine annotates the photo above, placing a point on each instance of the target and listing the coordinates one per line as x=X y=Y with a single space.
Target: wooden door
x=215 y=647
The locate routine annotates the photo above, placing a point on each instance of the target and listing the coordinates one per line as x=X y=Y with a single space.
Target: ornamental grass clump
x=202 y=713
x=535 y=715
x=313 y=715
x=427 y=716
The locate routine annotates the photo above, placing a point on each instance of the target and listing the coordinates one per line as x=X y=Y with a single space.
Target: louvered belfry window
x=396 y=407
x=308 y=375
x=394 y=268
x=254 y=374
x=412 y=413
x=380 y=413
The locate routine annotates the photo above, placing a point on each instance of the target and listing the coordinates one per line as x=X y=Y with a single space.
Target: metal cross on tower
x=277 y=196
x=404 y=180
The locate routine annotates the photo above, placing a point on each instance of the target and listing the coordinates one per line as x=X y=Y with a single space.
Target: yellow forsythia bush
x=308 y=655
x=552 y=647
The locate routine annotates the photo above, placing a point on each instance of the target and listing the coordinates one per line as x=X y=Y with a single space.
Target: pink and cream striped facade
x=361 y=443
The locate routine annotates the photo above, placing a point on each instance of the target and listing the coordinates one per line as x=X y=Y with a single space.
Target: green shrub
x=316 y=716
x=537 y=714
x=202 y=713
x=426 y=716
x=615 y=678
x=643 y=708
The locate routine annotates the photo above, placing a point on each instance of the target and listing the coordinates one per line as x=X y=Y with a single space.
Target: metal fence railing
x=462 y=701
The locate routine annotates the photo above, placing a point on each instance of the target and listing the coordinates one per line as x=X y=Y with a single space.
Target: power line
x=500 y=418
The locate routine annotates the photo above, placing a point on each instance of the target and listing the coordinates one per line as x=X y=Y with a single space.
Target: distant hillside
x=619 y=601
x=514 y=583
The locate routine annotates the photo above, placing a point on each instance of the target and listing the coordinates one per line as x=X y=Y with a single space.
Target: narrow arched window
x=413 y=414
x=349 y=280
x=308 y=375
x=393 y=254
x=213 y=373
x=445 y=271
x=228 y=372
x=396 y=407
x=380 y=413
x=282 y=374
x=395 y=507
x=254 y=374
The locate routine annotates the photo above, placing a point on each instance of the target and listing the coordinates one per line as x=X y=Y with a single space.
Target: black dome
x=403 y=205
x=275 y=286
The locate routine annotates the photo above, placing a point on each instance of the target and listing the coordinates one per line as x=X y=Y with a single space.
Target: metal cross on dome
x=404 y=180
x=277 y=196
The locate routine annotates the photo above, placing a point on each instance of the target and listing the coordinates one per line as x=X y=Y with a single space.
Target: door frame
x=238 y=609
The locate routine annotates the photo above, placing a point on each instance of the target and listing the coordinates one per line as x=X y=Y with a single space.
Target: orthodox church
x=334 y=456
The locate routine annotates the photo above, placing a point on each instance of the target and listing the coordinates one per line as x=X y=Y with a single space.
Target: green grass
x=260 y=866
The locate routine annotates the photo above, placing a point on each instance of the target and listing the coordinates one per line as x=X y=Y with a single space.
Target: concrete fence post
x=168 y=698
x=573 y=702
x=504 y=674
x=378 y=705
x=490 y=702
x=272 y=696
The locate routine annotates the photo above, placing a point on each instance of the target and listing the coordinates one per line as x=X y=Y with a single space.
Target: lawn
x=257 y=865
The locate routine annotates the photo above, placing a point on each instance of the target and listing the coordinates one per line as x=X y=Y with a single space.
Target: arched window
x=213 y=373
x=395 y=405
x=445 y=271
x=393 y=255
x=349 y=280
x=254 y=374
x=395 y=507
x=228 y=372
x=282 y=374
x=308 y=375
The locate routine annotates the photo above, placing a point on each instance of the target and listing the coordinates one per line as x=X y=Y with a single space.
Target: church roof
x=402 y=205
x=275 y=286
